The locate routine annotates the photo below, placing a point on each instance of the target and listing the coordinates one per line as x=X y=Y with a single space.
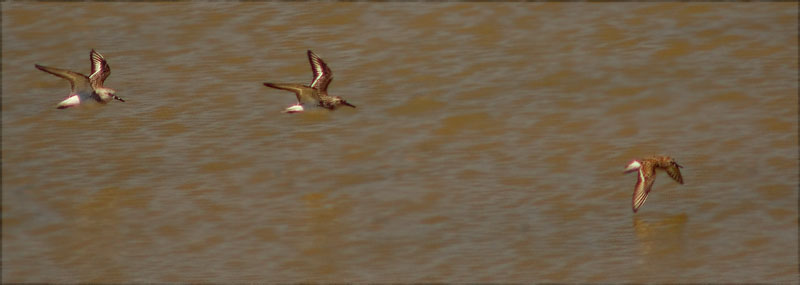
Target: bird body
x=316 y=92
x=647 y=174
x=85 y=88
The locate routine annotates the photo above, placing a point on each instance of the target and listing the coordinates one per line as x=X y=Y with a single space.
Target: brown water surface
x=488 y=143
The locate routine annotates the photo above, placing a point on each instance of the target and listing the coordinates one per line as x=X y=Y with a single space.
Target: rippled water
x=488 y=143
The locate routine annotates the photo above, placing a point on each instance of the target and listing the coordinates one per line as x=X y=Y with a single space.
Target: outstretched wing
x=78 y=82
x=100 y=69
x=643 y=185
x=674 y=172
x=322 y=73
x=304 y=93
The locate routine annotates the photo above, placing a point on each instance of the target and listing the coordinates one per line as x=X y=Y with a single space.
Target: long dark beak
x=348 y=104
x=115 y=97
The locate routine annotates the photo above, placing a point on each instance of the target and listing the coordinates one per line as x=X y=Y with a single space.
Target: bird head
x=343 y=102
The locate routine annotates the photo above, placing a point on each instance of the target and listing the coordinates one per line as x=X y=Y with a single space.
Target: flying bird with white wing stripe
x=647 y=175
x=315 y=93
x=85 y=88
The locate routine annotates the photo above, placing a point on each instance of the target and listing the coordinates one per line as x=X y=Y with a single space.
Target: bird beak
x=115 y=97
x=678 y=165
x=348 y=104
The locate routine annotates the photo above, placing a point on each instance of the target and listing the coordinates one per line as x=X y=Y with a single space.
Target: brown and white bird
x=647 y=175
x=317 y=92
x=85 y=88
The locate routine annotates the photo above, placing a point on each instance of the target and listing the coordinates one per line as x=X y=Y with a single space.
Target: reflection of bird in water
x=647 y=175
x=316 y=92
x=660 y=237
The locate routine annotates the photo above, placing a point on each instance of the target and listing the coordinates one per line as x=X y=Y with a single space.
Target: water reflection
x=658 y=237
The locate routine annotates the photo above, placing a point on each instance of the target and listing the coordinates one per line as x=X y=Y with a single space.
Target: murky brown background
x=488 y=143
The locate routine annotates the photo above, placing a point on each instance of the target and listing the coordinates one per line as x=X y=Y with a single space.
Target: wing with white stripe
x=100 y=69
x=643 y=186
x=322 y=73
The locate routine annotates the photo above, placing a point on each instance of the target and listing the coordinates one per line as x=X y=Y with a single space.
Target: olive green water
x=488 y=143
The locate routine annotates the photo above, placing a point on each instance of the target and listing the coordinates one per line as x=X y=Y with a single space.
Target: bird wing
x=78 y=82
x=643 y=185
x=100 y=69
x=322 y=73
x=674 y=172
x=304 y=93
